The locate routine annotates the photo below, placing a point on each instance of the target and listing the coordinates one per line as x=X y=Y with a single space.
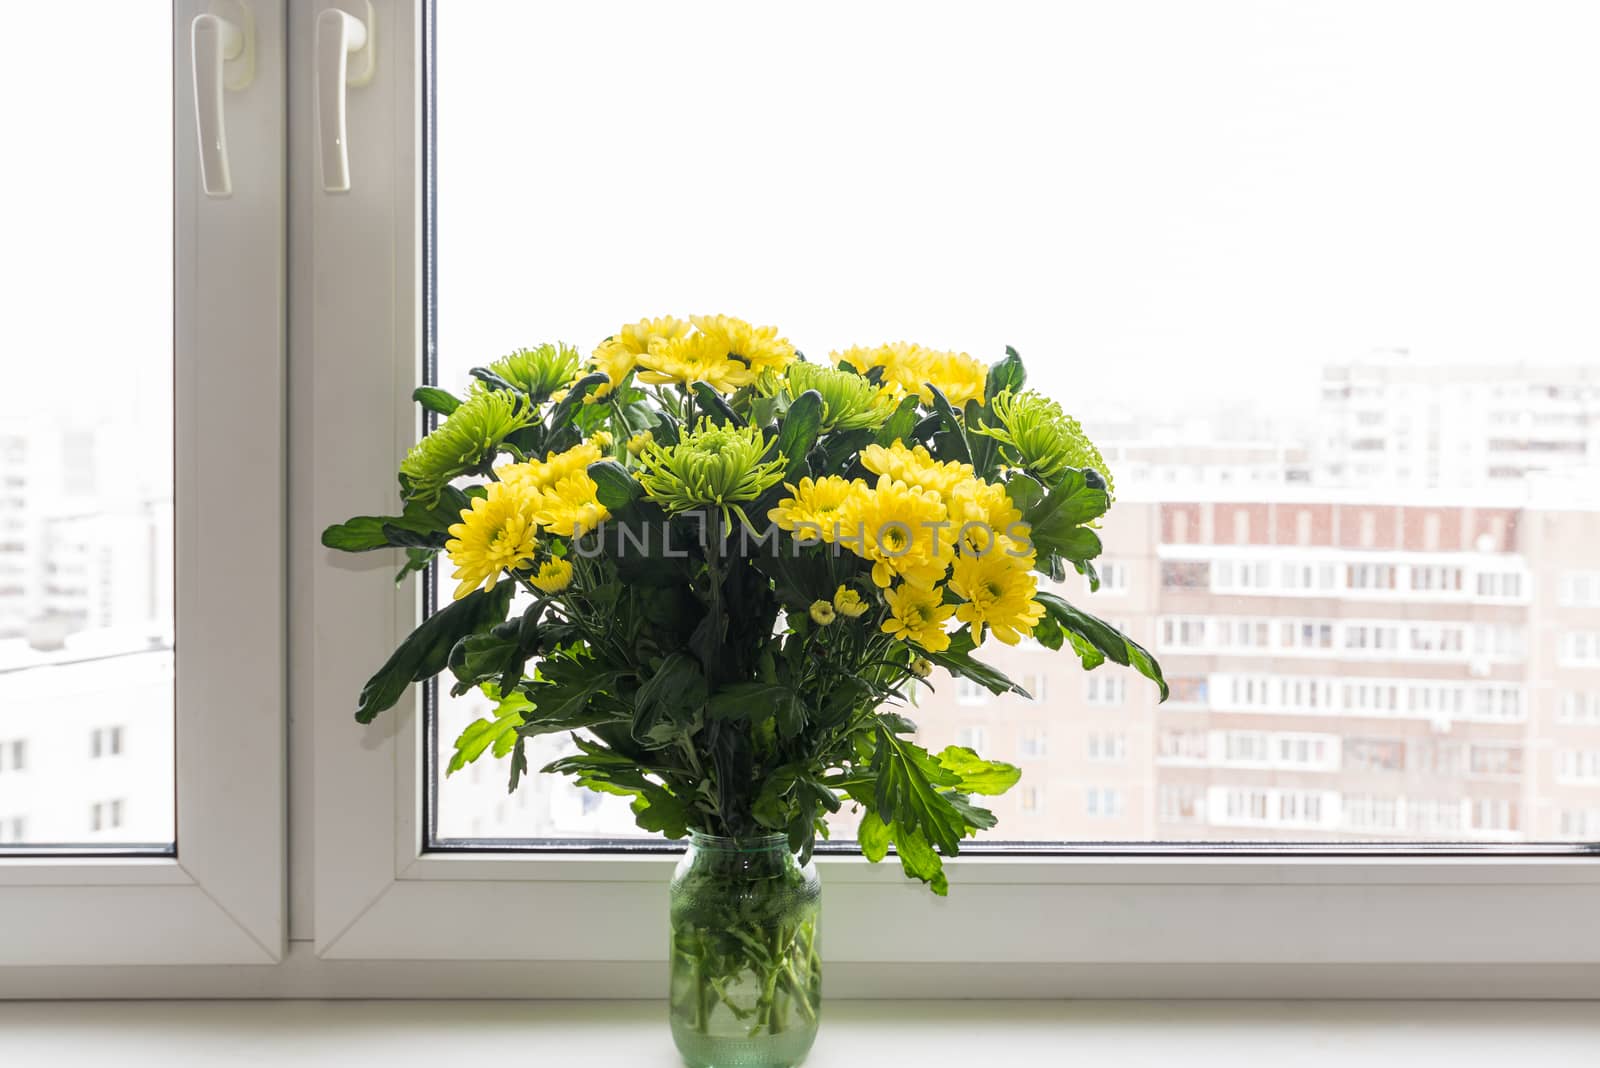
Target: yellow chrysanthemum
x=570 y=507
x=909 y=369
x=916 y=467
x=813 y=508
x=639 y=442
x=496 y=533
x=997 y=591
x=535 y=475
x=553 y=576
x=602 y=439
x=822 y=613
x=918 y=615
x=848 y=603
x=698 y=357
x=617 y=355
x=986 y=520
x=903 y=530
x=758 y=346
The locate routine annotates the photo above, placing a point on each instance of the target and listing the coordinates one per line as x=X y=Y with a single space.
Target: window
x=486 y=208
x=1579 y=708
x=1102 y=802
x=1033 y=744
x=1369 y=576
x=1113 y=577
x=14 y=755
x=1580 y=589
x=1109 y=748
x=1104 y=689
x=972 y=738
x=1185 y=575
x=1500 y=585
x=1578 y=765
x=1374 y=754
x=1436 y=578
x=105 y=816
x=969 y=692
x=105 y=741
x=1580 y=648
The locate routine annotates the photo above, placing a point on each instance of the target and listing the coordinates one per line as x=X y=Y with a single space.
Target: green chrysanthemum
x=472 y=435
x=1047 y=439
x=721 y=467
x=849 y=401
x=539 y=372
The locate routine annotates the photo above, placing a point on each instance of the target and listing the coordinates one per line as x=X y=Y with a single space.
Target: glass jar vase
x=746 y=957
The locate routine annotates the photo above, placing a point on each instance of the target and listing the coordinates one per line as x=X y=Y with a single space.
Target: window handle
x=222 y=52
x=340 y=36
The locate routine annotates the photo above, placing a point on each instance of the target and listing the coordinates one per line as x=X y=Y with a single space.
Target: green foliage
x=718 y=685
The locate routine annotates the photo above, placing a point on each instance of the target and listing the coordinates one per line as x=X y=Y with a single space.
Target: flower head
x=1047 y=439
x=902 y=529
x=922 y=667
x=848 y=603
x=996 y=591
x=695 y=358
x=918 y=614
x=570 y=506
x=602 y=439
x=712 y=466
x=553 y=576
x=822 y=612
x=812 y=509
x=915 y=467
x=556 y=466
x=496 y=533
x=849 y=401
x=637 y=443
x=909 y=369
x=471 y=435
x=757 y=347
x=541 y=371
x=618 y=354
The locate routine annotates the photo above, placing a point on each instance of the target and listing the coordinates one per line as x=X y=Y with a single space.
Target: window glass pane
x=86 y=661
x=1317 y=277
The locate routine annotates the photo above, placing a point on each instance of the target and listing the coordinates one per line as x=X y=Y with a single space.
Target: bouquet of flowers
x=723 y=568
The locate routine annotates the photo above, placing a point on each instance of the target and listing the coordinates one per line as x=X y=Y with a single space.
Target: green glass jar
x=746 y=957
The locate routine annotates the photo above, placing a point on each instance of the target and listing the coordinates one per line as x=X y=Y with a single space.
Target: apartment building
x=1393 y=421
x=1340 y=670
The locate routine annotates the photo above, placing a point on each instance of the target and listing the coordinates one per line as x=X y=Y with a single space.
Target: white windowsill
x=307 y=1034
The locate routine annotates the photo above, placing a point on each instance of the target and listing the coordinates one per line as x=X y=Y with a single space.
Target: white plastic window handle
x=339 y=35
x=213 y=40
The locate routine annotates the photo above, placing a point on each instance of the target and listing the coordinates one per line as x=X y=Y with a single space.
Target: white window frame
x=1355 y=925
x=371 y=914
x=220 y=899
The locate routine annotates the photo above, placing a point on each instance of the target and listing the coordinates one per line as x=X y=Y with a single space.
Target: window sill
x=634 y=1033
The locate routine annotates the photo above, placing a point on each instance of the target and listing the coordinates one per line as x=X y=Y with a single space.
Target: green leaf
x=979 y=776
x=435 y=400
x=1073 y=500
x=757 y=701
x=500 y=733
x=713 y=406
x=901 y=424
x=499 y=654
x=425 y=652
x=1103 y=637
x=799 y=432
x=908 y=795
x=420 y=525
x=670 y=702
x=492 y=380
x=957 y=660
x=561 y=415
x=873 y=836
x=570 y=705
x=918 y=858
x=1024 y=491
x=952 y=443
x=614 y=487
x=1006 y=374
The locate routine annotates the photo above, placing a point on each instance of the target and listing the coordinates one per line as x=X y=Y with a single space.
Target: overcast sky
x=1177 y=202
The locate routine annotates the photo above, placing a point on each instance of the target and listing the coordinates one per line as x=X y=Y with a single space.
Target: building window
x=1032 y=744
x=1101 y=689
x=105 y=815
x=1037 y=683
x=105 y=742
x=1364 y=812
x=1495 y=761
x=1500 y=585
x=1580 y=589
x=1579 y=708
x=1183 y=745
x=1103 y=802
x=1108 y=748
x=1032 y=799
x=1181 y=804
x=13 y=829
x=1189 y=690
x=1113 y=577
x=14 y=755
x=1580 y=648
x=1435 y=578
x=1374 y=754
x=1494 y=814
x=1183 y=632
x=1185 y=575
x=1578 y=765
x=1229 y=576
x=1369 y=576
